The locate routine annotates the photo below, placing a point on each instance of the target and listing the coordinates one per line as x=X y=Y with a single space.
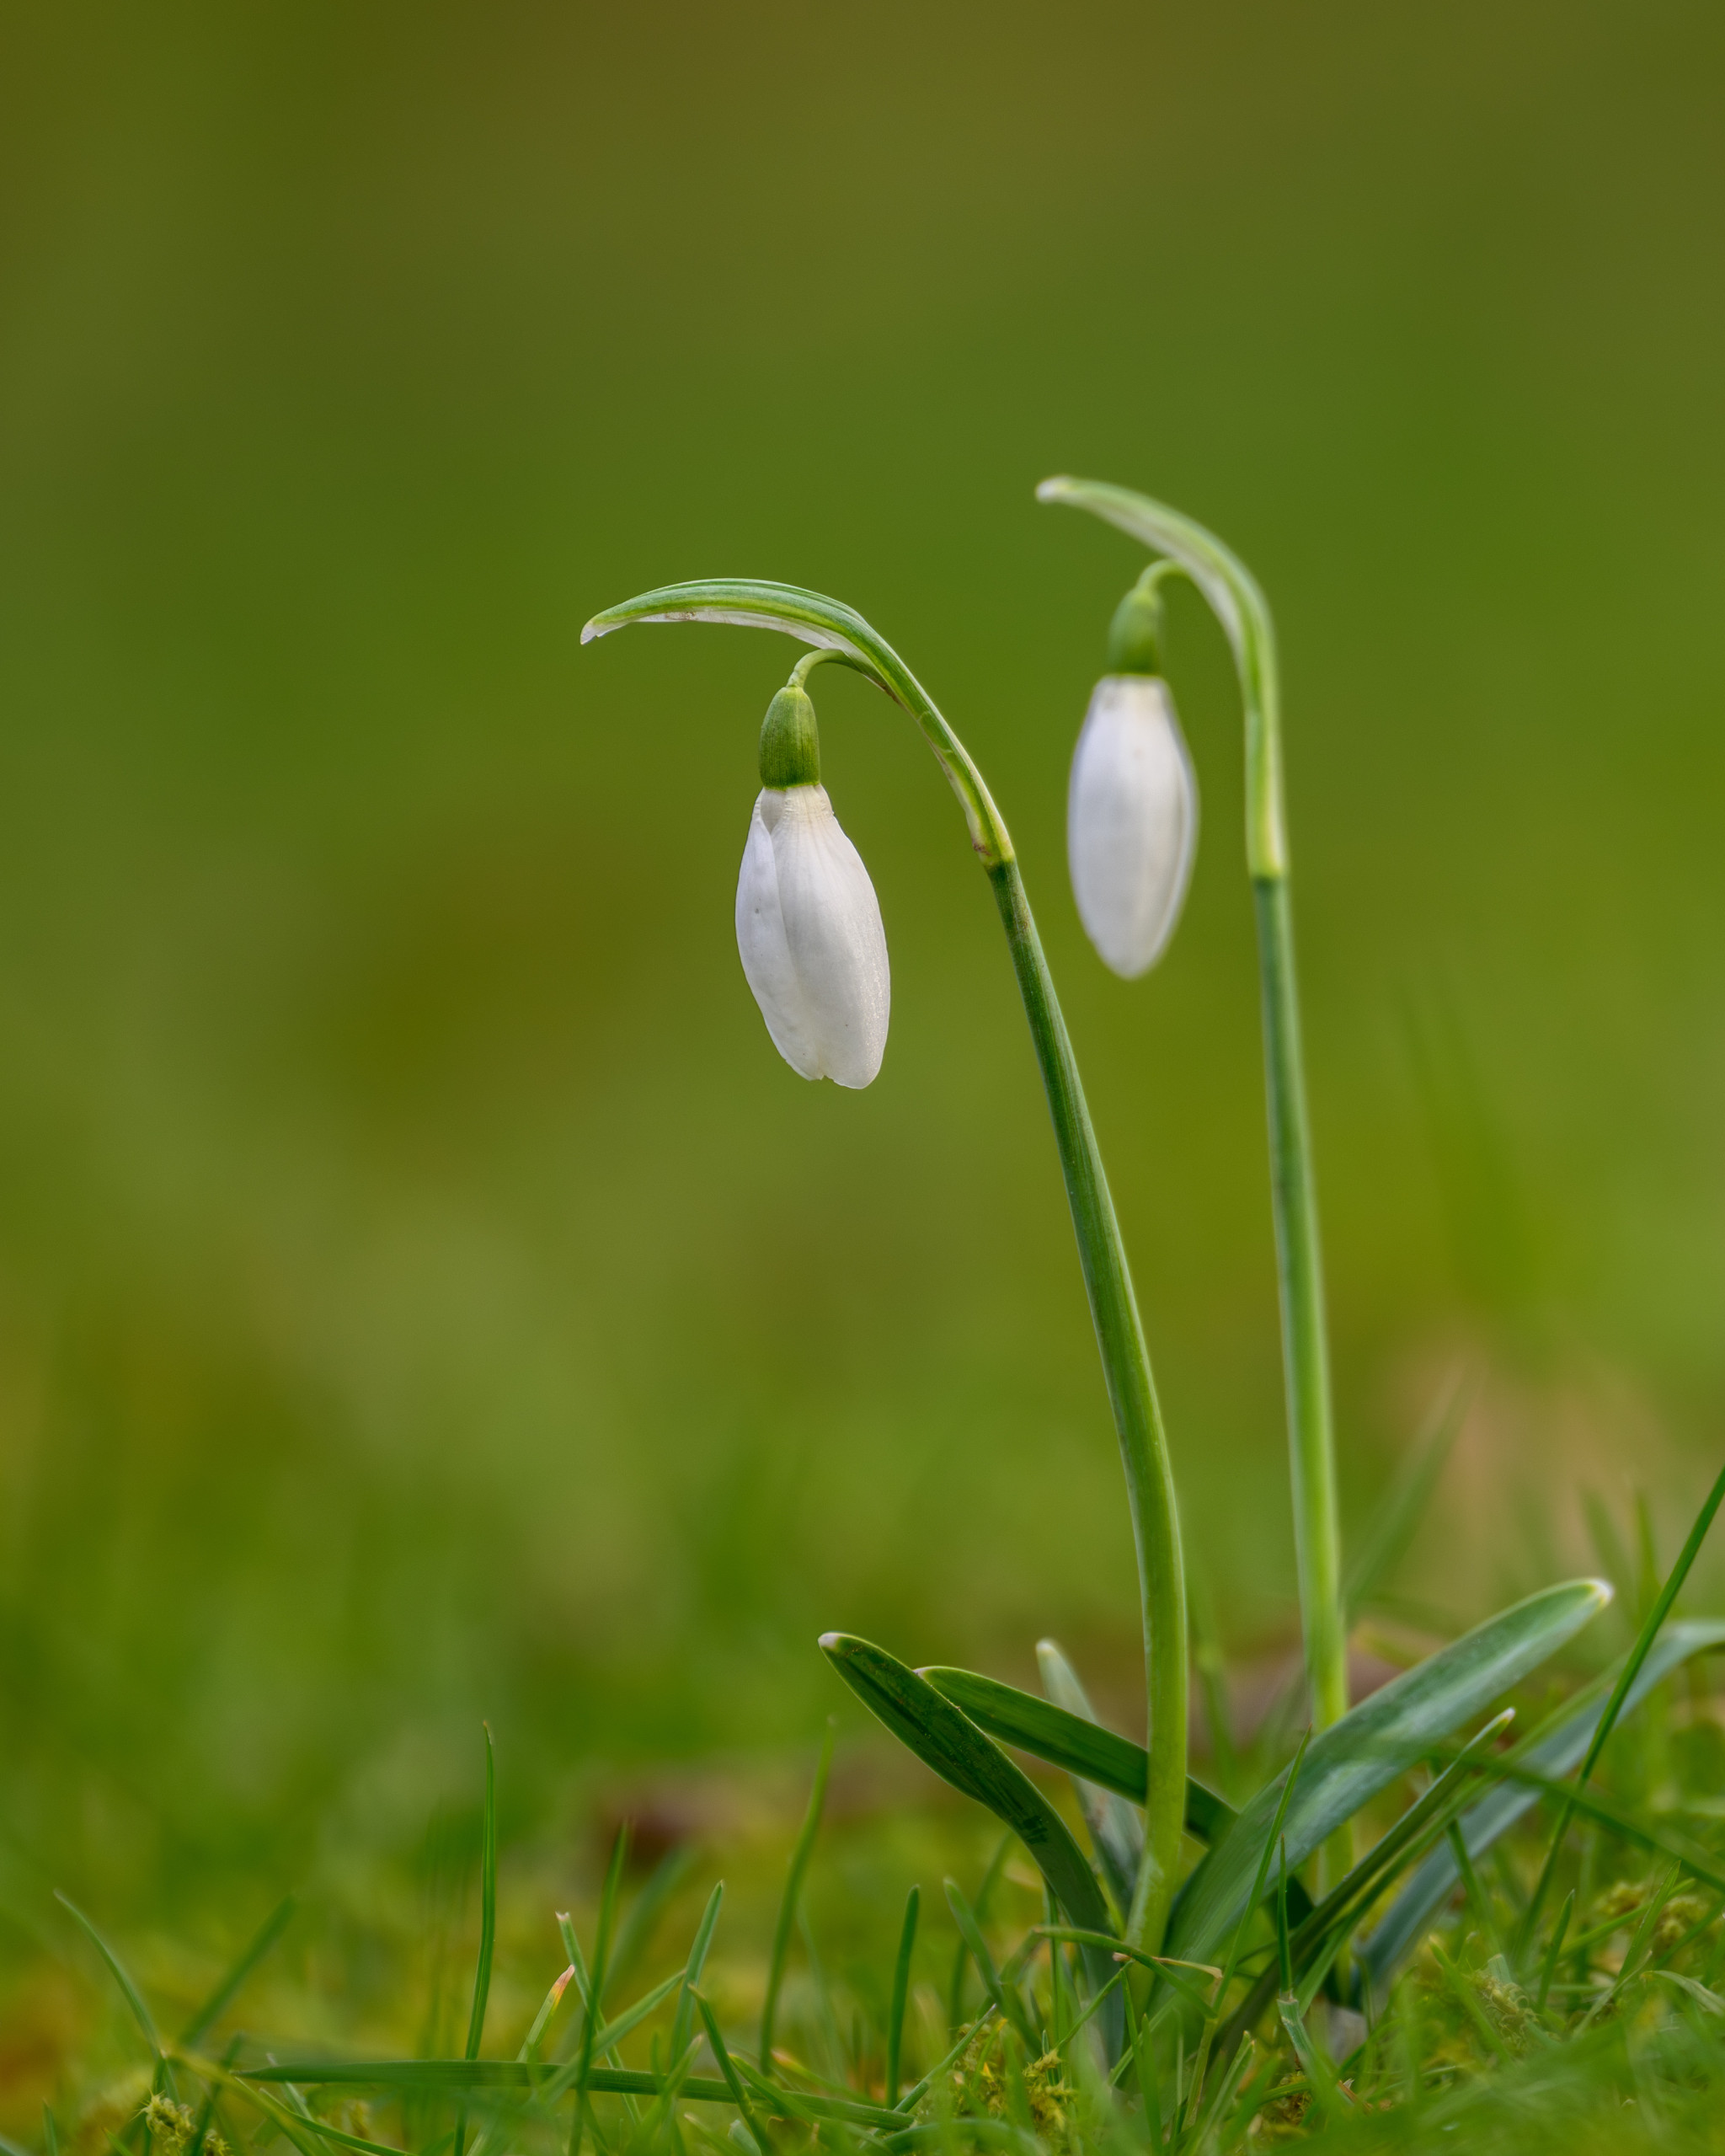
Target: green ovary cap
x=790 y=740
x=1136 y=634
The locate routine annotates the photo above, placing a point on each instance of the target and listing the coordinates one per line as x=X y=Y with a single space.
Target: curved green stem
x=1239 y=605
x=1144 y=1449
x=1107 y=1279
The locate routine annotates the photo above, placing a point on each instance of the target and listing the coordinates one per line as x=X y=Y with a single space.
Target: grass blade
x=1144 y=2065
x=1007 y=2003
x=733 y=2080
x=134 y=1998
x=635 y=1934
x=1171 y=1971
x=1468 y=1999
x=1313 y=2065
x=1550 y=1967
x=1270 y=1844
x=1116 y=1825
x=1552 y=1750
x=1638 y=1654
x=901 y=1992
x=1650 y=1630
x=682 y=2026
x=553 y=1999
x=1351 y=1761
x=804 y=2104
x=1306 y=1952
x=456 y=2077
x=595 y=1983
x=605 y=2043
x=961 y=1959
x=1641 y=1831
x=223 y=1996
x=912 y=2097
x=1210 y=1667
x=487 y=1905
x=292 y=2123
x=1392 y=1526
x=625 y=2023
x=647 y=2136
x=1271 y=1841
x=794 y=1888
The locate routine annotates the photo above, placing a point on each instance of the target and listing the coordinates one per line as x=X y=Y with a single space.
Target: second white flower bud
x=1131 y=821
x=1132 y=807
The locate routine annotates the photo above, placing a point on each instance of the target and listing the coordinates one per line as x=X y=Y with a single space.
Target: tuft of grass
x=1281 y=2016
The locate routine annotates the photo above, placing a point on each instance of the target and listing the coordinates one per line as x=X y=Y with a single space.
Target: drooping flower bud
x=808 y=927
x=1131 y=821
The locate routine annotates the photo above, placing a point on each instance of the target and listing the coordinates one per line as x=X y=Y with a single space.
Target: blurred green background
x=423 y=1292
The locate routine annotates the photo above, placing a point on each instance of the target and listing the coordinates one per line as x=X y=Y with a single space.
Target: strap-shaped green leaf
x=1066 y=1740
x=1350 y=1762
x=928 y=1723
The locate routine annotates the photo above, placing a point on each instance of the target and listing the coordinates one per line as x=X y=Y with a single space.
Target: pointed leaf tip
x=1052 y=489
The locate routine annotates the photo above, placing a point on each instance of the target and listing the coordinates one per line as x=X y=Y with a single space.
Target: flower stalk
x=834 y=629
x=1233 y=596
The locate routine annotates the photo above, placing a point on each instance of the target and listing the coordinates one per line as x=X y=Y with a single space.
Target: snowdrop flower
x=1132 y=807
x=808 y=928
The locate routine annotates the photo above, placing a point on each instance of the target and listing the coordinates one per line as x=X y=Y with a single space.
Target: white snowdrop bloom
x=1131 y=821
x=810 y=933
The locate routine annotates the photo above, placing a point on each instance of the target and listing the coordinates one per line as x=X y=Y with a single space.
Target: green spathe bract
x=790 y=740
x=1235 y=598
x=1137 y=631
x=831 y=627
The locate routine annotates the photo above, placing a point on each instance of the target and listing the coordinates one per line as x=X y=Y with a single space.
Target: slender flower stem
x=1305 y=1338
x=1144 y=1450
x=1233 y=596
x=839 y=630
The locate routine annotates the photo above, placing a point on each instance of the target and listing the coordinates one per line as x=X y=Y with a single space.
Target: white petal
x=763 y=950
x=1131 y=821
x=810 y=933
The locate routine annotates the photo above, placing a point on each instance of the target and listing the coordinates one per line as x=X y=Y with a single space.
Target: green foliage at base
x=1432 y=1994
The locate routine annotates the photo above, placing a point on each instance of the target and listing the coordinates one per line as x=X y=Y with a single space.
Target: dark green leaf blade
x=1350 y=1762
x=927 y=1723
x=1083 y=1748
